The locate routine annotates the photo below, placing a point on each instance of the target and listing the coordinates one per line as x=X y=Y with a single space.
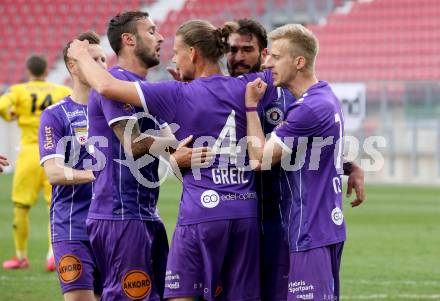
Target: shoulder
x=53 y=113
x=320 y=98
x=119 y=73
x=17 y=88
x=56 y=110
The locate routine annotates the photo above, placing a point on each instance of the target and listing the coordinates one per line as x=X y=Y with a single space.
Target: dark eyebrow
x=248 y=47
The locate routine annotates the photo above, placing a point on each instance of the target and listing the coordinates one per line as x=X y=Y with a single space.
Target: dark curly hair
x=123 y=23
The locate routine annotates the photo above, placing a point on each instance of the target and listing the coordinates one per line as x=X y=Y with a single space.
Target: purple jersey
x=117 y=194
x=212 y=110
x=271 y=111
x=63 y=133
x=312 y=181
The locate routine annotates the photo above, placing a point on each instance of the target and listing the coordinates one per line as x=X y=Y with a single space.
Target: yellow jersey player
x=25 y=102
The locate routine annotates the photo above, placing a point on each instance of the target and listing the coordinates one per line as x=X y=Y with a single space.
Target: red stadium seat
x=381 y=40
x=44 y=26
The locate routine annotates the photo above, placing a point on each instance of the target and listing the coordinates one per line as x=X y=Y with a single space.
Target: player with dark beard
x=248 y=51
x=124 y=226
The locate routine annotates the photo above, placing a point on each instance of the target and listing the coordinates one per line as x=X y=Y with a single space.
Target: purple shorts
x=131 y=256
x=274 y=261
x=76 y=266
x=217 y=260
x=314 y=274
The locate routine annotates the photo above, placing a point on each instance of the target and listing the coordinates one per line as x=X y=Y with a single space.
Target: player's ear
x=128 y=39
x=71 y=66
x=193 y=54
x=300 y=62
x=264 y=54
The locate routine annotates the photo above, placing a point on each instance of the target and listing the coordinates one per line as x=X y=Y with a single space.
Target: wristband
x=250 y=109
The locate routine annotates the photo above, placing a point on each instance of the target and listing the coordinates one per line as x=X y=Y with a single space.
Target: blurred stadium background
x=389 y=49
x=382 y=55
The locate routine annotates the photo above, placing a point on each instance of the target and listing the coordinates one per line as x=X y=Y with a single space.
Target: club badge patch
x=274 y=115
x=81 y=135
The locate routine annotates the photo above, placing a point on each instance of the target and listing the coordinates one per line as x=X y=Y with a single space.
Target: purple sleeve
x=271 y=90
x=300 y=121
x=49 y=134
x=113 y=111
x=160 y=99
x=266 y=76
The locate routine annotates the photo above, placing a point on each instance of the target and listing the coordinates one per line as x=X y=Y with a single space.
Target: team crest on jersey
x=81 y=135
x=136 y=284
x=274 y=115
x=69 y=268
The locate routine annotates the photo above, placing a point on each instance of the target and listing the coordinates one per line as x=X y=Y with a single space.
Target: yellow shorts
x=29 y=177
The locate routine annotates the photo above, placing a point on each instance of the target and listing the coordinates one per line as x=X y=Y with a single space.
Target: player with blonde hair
x=312 y=134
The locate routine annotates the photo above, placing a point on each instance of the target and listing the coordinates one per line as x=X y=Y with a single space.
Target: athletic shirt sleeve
x=160 y=99
x=49 y=135
x=113 y=111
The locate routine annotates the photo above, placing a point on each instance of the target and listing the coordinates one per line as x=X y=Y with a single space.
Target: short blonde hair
x=302 y=40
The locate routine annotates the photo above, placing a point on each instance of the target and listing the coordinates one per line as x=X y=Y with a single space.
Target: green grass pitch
x=392 y=251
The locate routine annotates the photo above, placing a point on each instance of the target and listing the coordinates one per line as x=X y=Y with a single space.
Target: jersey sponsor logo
x=69 y=268
x=274 y=116
x=48 y=138
x=136 y=284
x=232 y=196
x=172 y=280
x=82 y=123
x=210 y=199
x=337 y=216
x=301 y=290
x=81 y=135
x=75 y=113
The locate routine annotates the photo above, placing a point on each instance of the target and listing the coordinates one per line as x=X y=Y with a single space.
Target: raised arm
x=263 y=154
x=100 y=79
